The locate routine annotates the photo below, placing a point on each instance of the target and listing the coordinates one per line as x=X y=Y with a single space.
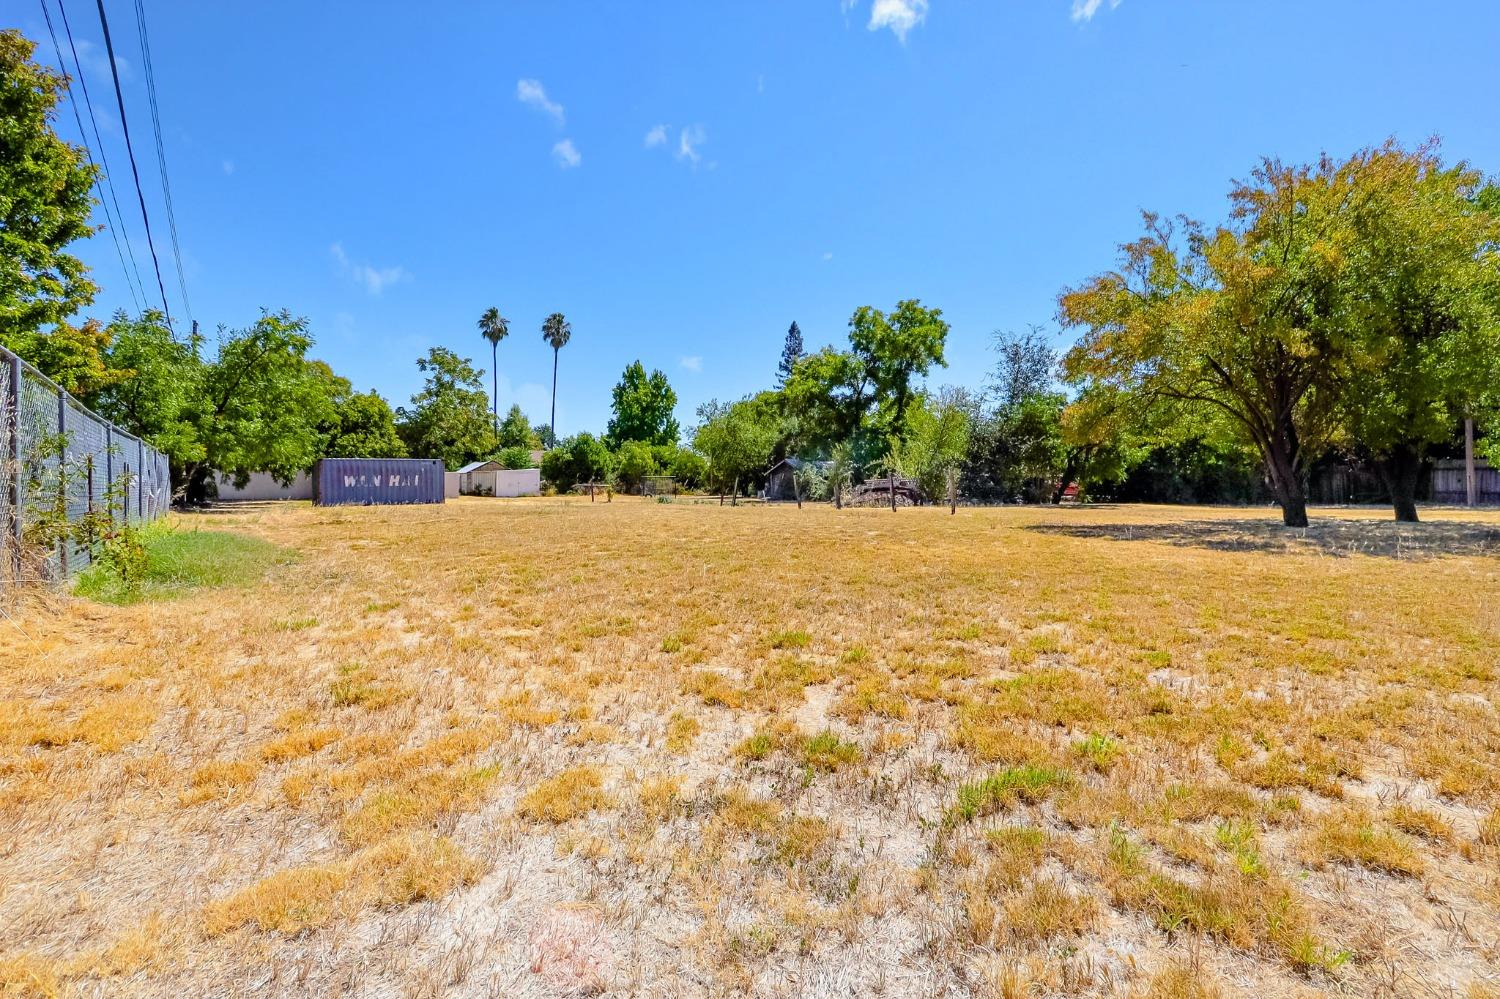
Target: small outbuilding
x=467 y=485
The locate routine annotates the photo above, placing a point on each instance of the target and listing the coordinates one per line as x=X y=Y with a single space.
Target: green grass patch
x=1000 y=790
x=179 y=562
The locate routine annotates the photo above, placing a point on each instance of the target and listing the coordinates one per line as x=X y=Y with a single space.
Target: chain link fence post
x=13 y=411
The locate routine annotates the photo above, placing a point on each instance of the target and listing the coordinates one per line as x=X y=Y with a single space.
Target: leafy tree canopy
x=515 y=431
x=643 y=406
x=449 y=418
x=44 y=199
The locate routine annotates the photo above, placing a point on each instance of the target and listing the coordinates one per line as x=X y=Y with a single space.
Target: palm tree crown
x=557 y=331
x=493 y=326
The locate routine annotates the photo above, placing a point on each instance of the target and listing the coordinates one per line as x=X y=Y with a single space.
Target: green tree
x=44 y=199
x=361 y=424
x=688 y=468
x=830 y=395
x=157 y=391
x=580 y=458
x=557 y=331
x=635 y=460
x=1242 y=320
x=515 y=430
x=643 y=407
x=863 y=395
x=1421 y=291
x=515 y=457
x=736 y=439
x=895 y=349
x=259 y=405
x=447 y=418
x=75 y=357
x=791 y=352
x=494 y=327
x=937 y=440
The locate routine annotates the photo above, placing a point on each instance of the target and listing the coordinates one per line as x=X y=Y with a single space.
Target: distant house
x=466 y=484
x=780 y=477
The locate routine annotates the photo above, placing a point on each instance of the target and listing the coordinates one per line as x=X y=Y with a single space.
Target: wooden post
x=89 y=464
x=109 y=471
x=893 y=490
x=952 y=491
x=140 y=476
x=1469 y=481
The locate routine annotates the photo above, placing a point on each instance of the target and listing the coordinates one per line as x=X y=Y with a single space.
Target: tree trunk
x=893 y=492
x=734 y=497
x=495 y=389
x=952 y=491
x=797 y=491
x=1286 y=482
x=1401 y=469
x=838 y=497
x=552 y=426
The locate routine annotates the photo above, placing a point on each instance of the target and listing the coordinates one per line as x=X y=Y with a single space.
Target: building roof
x=797 y=463
x=479 y=466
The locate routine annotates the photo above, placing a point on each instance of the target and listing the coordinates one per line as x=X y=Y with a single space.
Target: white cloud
x=567 y=154
x=694 y=363
x=228 y=167
x=828 y=255
x=688 y=142
x=656 y=137
x=375 y=279
x=532 y=93
x=1084 y=10
x=900 y=16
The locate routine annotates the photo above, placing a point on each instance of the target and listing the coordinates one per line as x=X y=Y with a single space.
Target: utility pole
x=1469 y=482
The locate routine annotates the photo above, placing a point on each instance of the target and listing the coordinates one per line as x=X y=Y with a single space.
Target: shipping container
x=377 y=481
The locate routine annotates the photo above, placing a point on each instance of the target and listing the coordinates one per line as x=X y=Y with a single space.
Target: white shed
x=468 y=485
x=506 y=482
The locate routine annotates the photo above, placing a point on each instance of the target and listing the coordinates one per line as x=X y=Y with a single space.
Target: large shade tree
x=44 y=199
x=448 y=418
x=1422 y=293
x=1241 y=319
x=643 y=406
x=557 y=331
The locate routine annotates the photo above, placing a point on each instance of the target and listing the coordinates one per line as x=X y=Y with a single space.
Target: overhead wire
x=161 y=152
x=114 y=72
x=109 y=179
x=62 y=64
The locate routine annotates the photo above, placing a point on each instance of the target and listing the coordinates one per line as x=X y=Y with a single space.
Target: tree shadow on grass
x=1331 y=536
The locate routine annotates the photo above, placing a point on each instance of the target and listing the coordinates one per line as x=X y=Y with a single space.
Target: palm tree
x=494 y=327
x=557 y=331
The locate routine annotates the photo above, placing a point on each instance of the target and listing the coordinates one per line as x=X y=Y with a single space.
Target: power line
x=161 y=152
x=114 y=71
x=62 y=63
x=109 y=178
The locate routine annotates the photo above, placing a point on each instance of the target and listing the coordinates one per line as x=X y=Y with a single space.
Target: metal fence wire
x=59 y=457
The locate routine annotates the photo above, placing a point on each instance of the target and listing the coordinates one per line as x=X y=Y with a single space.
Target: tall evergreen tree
x=791 y=353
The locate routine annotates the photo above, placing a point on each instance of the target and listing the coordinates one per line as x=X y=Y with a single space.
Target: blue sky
x=684 y=178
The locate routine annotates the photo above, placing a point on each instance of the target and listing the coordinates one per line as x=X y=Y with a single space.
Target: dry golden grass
x=548 y=746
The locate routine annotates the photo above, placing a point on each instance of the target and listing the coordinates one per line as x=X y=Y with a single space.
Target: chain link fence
x=63 y=462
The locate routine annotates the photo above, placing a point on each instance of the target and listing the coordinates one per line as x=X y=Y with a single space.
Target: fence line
x=59 y=456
